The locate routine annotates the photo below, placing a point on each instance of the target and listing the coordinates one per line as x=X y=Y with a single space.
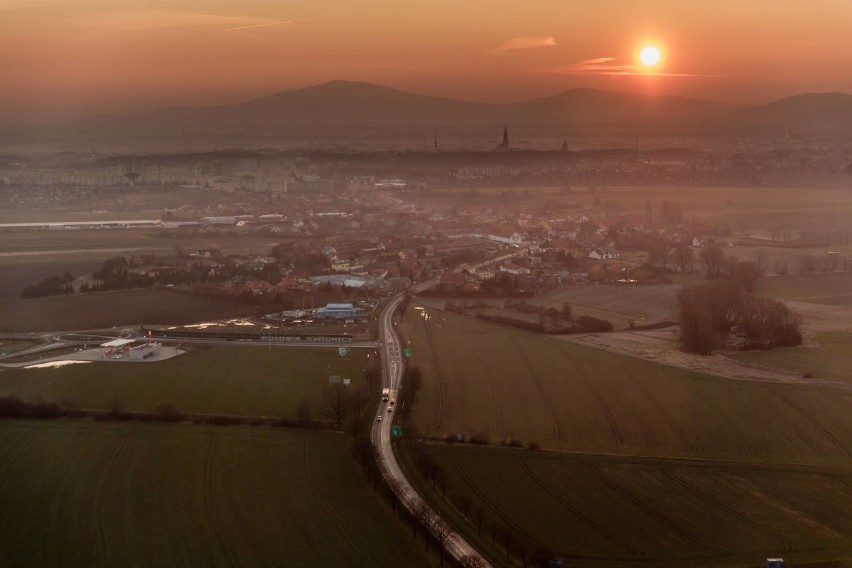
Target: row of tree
x=51 y=286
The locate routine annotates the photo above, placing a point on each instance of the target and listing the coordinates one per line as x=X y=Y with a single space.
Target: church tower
x=504 y=145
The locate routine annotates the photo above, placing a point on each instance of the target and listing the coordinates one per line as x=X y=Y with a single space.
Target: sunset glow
x=73 y=58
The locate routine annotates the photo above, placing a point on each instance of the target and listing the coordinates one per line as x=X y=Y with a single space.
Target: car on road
x=390 y=409
x=379 y=418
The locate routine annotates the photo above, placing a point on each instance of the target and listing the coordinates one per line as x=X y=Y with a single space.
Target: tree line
x=711 y=310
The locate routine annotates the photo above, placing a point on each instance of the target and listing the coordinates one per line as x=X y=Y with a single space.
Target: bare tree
x=683 y=258
x=472 y=561
x=303 y=411
x=336 y=403
x=428 y=518
x=808 y=263
x=395 y=488
x=524 y=550
x=761 y=259
x=713 y=259
x=479 y=513
x=360 y=399
x=464 y=504
x=507 y=538
x=443 y=534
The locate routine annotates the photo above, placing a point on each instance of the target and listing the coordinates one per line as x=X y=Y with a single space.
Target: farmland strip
x=496 y=510
x=4 y=477
x=331 y=512
x=610 y=418
x=209 y=513
x=807 y=416
x=654 y=513
x=574 y=510
x=541 y=389
x=440 y=382
x=97 y=502
x=720 y=504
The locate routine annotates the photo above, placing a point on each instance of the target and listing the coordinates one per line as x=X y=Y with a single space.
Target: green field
x=598 y=510
x=106 y=494
x=511 y=384
x=833 y=288
x=831 y=360
x=248 y=381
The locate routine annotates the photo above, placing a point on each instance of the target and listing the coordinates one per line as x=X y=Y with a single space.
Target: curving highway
x=392 y=369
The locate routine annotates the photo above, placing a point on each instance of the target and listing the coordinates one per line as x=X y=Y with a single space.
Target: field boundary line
x=97 y=502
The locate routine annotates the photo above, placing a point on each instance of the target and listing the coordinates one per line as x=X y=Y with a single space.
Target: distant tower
x=565 y=145
x=504 y=145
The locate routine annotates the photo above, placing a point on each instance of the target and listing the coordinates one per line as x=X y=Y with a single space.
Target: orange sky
x=70 y=58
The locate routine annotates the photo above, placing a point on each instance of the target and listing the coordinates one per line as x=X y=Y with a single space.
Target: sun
x=649 y=56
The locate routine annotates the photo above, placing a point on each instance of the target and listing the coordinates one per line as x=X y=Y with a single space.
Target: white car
x=379 y=418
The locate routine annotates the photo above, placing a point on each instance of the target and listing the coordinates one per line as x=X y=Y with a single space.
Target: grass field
x=507 y=383
x=63 y=246
x=250 y=381
x=106 y=494
x=749 y=207
x=617 y=304
x=598 y=510
x=13 y=279
x=831 y=360
x=120 y=307
x=832 y=288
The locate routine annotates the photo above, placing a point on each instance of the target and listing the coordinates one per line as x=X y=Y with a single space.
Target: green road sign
x=406 y=352
x=396 y=431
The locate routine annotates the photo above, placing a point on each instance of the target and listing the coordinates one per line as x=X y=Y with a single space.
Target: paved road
x=392 y=370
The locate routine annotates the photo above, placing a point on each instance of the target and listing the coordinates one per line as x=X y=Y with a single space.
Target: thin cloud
x=143 y=20
x=264 y=25
x=611 y=66
x=525 y=43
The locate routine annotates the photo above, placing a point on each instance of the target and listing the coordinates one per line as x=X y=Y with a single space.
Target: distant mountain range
x=348 y=104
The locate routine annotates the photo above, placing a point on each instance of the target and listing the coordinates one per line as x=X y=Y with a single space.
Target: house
x=513 y=268
x=604 y=253
x=407 y=253
x=506 y=234
x=452 y=281
x=340 y=311
x=340 y=265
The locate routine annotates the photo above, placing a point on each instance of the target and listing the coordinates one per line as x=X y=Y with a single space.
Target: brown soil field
x=107 y=309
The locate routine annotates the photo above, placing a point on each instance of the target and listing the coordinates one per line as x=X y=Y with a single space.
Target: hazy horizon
x=66 y=60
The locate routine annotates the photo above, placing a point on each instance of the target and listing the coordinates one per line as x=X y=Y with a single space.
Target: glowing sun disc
x=649 y=55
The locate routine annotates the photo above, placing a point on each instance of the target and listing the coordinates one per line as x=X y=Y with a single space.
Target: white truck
x=385 y=394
